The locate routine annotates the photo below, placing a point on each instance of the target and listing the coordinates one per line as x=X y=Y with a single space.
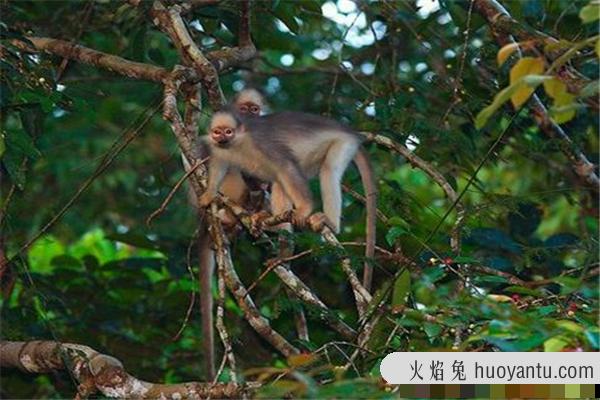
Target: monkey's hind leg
x=336 y=161
x=295 y=186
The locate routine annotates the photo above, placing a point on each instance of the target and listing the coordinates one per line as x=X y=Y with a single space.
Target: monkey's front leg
x=216 y=173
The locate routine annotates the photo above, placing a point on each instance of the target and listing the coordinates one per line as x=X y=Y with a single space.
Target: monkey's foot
x=256 y=222
x=318 y=221
x=205 y=199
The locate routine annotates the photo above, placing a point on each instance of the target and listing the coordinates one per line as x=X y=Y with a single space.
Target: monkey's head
x=224 y=129
x=249 y=102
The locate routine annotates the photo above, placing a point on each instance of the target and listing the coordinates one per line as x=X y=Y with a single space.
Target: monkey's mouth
x=224 y=144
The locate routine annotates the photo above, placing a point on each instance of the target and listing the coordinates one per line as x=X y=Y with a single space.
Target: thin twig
x=118 y=146
x=272 y=264
x=167 y=200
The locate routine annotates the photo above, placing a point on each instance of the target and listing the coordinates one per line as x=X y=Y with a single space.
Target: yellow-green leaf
x=569 y=326
x=554 y=88
x=299 y=360
x=564 y=106
x=598 y=47
x=529 y=81
x=562 y=113
x=505 y=52
x=559 y=46
x=590 y=13
x=556 y=343
x=525 y=66
x=563 y=98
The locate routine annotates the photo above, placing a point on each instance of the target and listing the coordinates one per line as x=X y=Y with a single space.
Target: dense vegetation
x=513 y=184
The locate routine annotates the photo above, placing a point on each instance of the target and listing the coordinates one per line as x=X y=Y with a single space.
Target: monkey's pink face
x=249 y=108
x=222 y=136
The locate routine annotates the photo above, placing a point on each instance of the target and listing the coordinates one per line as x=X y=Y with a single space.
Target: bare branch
x=305 y=294
x=221 y=328
x=437 y=177
x=166 y=201
x=170 y=21
x=73 y=51
x=244 y=35
x=361 y=295
x=236 y=287
x=188 y=141
x=104 y=373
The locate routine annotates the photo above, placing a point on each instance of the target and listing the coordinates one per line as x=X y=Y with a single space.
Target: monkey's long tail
x=207 y=266
x=368 y=180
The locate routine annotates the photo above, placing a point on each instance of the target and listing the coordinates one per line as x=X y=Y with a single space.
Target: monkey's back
x=303 y=137
x=292 y=123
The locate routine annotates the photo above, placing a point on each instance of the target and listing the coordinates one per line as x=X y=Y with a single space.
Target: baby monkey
x=287 y=149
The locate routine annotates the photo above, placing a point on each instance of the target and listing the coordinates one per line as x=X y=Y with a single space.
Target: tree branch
x=170 y=21
x=504 y=26
x=73 y=51
x=103 y=373
x=236 y=287
x=437 y=177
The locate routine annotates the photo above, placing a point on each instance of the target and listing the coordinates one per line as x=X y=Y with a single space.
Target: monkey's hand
x=318 y=221
x=205 y=199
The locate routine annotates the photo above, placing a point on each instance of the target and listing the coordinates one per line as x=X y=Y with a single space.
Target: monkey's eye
x=243 y=108
x=254 y=110
x=228 y=131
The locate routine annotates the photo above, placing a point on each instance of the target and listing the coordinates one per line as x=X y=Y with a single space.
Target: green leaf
x=432 y=330
x=14 y=166
x=523 y=290
x=156 y=56
x=393 y=234
x=18 y=140
x=401 y=289
x=593 y=336
x=591 y=89
x=590 y=13
x=568 y=284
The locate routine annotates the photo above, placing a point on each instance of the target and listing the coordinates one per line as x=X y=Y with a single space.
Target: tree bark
x=97 y=372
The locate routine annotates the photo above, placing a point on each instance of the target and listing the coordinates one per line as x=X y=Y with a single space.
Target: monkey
x=239 y=189
x=235 y=188
x=249 y=102
x=287 y=149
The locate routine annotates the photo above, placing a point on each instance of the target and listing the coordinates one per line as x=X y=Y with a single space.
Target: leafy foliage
x=103 y=278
